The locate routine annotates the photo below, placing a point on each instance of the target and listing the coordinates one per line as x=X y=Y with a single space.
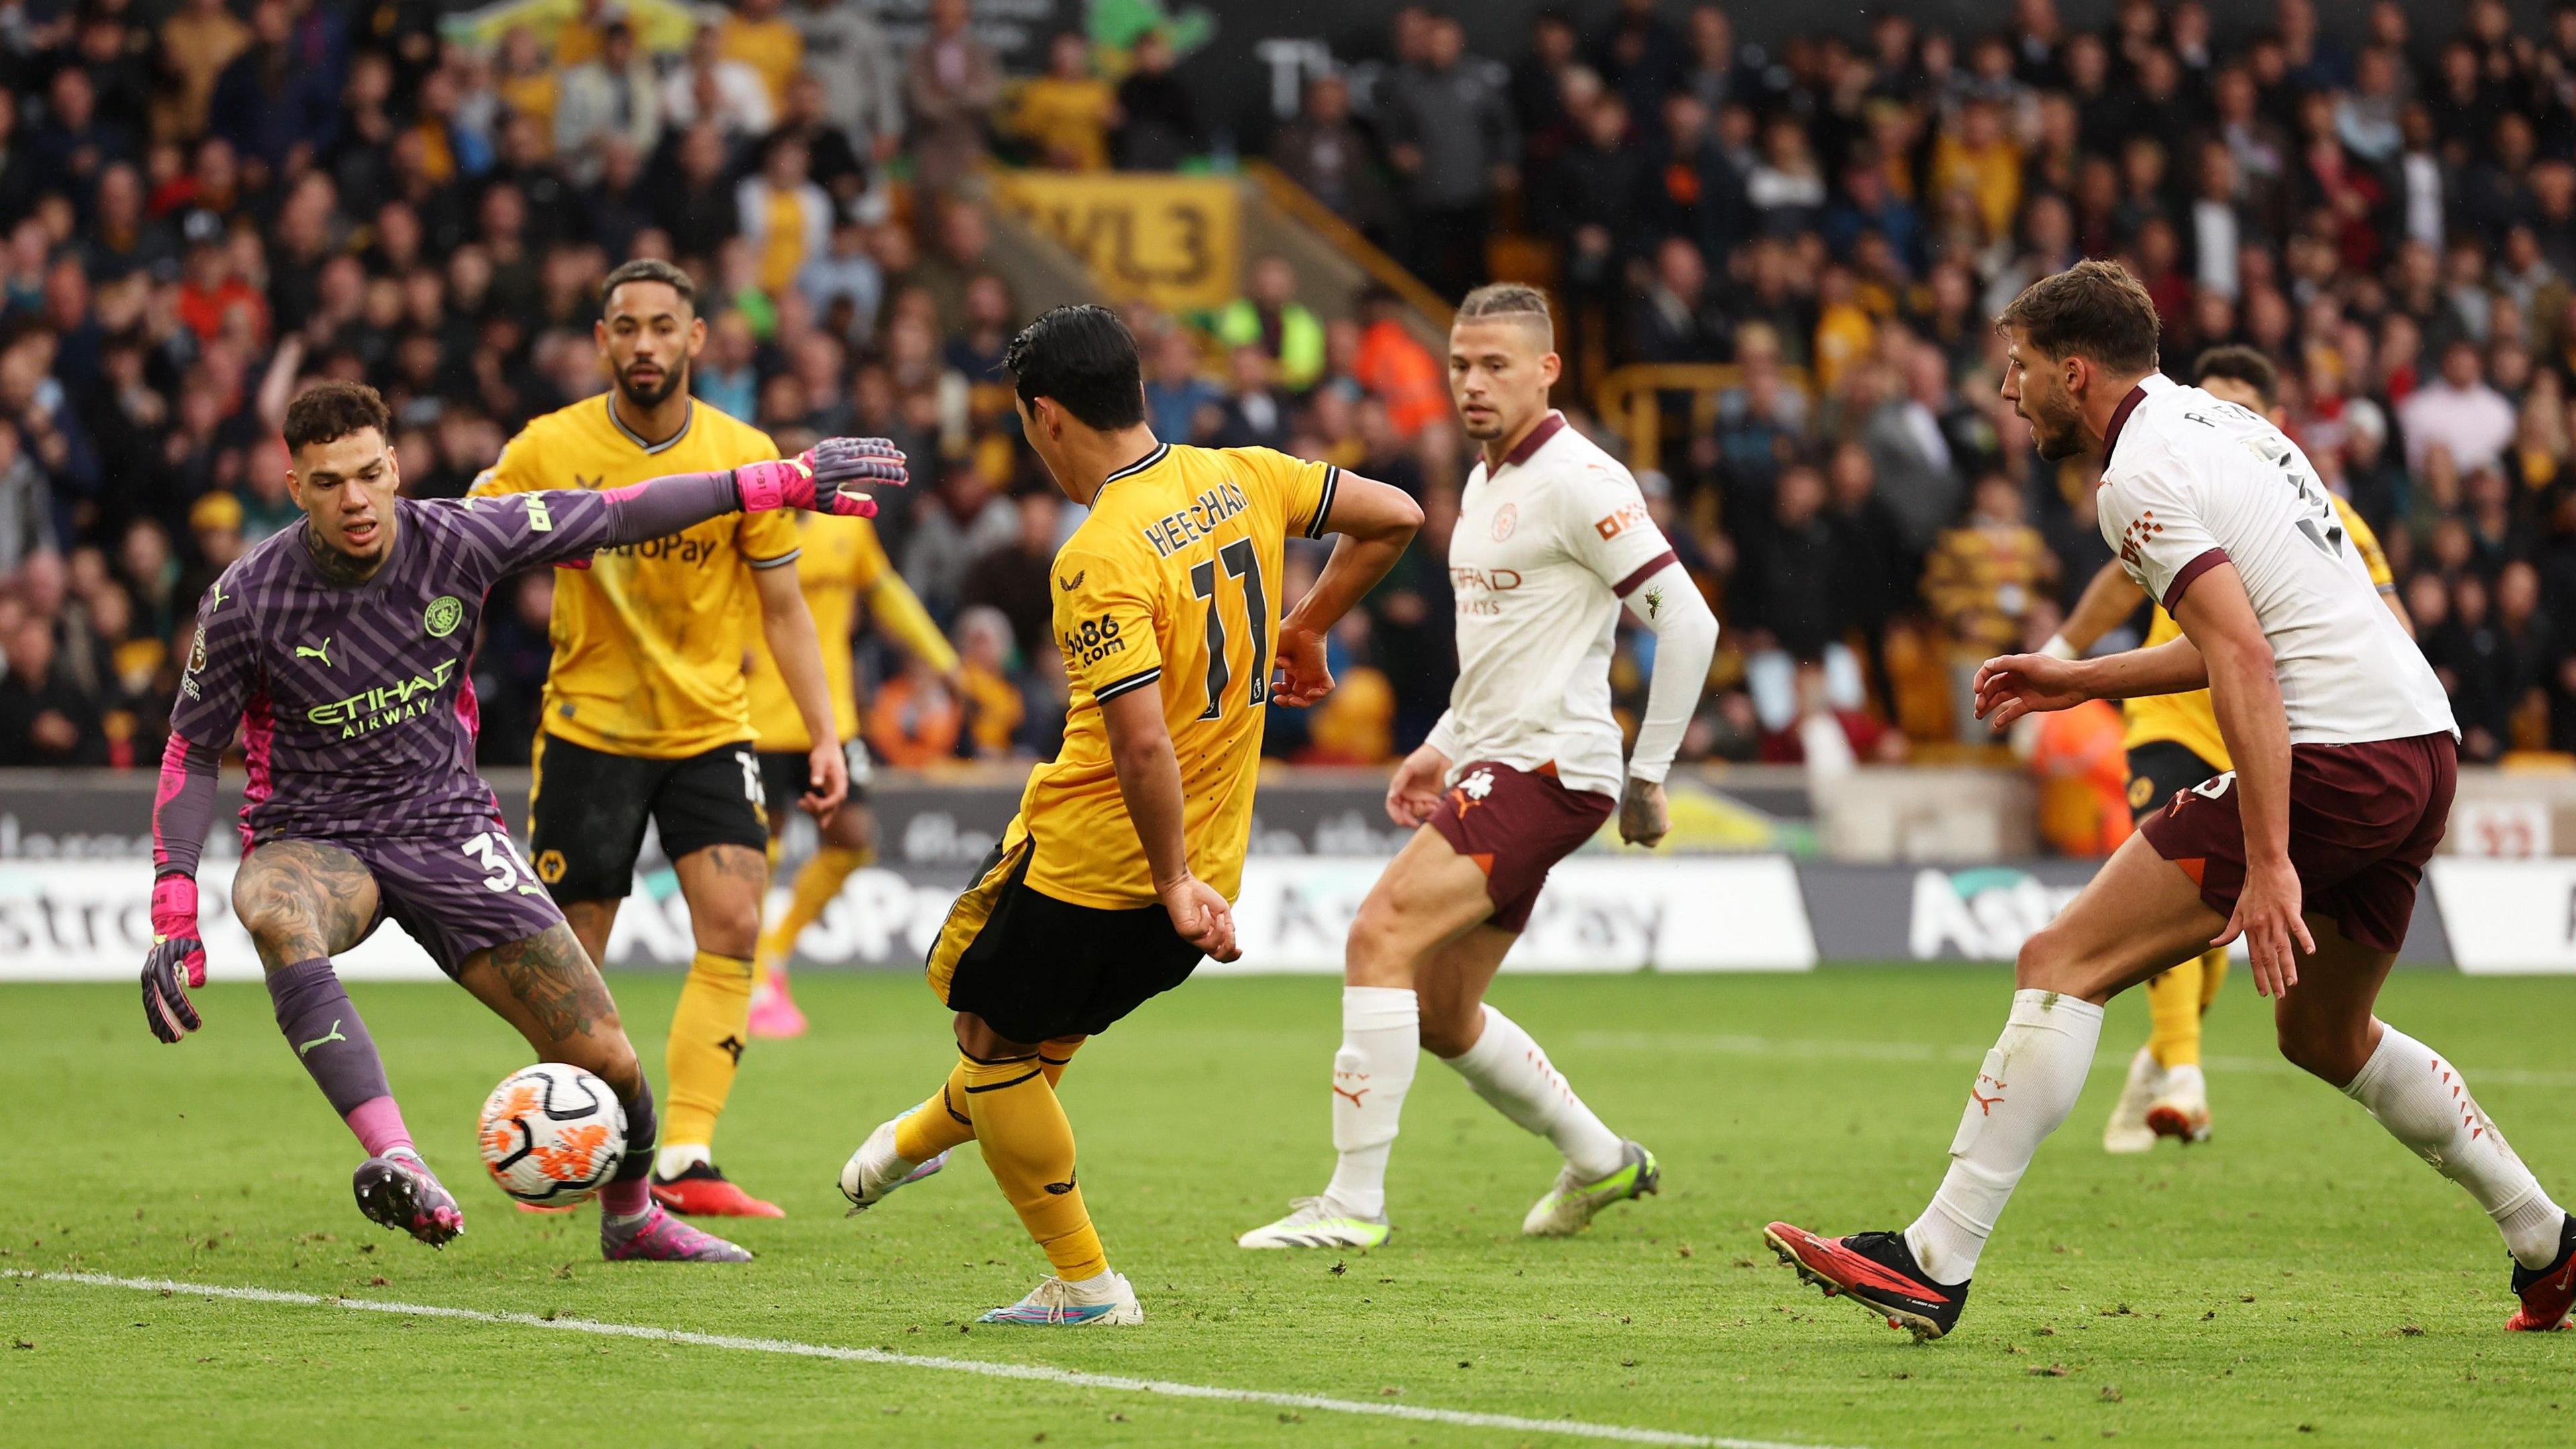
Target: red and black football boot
x=702 y=1191
x=2547 y=1294
x=1876 y=1271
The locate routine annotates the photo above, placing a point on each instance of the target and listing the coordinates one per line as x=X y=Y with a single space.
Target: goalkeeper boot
x=399 y=1191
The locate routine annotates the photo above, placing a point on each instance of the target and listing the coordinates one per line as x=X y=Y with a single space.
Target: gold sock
x=1028 y=1146
x=707 y=1034
x=2173 y=1016
x=940 y=1122
x=818 y=884
x=2213 y=970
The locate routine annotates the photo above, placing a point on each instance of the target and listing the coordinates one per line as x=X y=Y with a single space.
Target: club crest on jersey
x=1176 y=531
x=442 y=616
x=1506 y=518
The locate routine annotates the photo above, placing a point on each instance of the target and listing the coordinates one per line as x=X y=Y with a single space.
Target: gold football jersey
x=651 y=641
x=1171 y=584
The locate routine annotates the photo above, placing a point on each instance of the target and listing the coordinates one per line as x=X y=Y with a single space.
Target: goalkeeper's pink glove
x=824 y=478
x=178 y=959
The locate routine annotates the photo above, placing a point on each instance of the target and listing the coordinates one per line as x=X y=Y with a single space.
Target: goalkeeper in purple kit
x=339 y=649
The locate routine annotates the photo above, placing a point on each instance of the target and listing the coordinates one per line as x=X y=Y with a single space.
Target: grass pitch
x=2302 y=1279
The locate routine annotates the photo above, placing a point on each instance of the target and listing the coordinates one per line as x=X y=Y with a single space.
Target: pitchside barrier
x=1741 y=888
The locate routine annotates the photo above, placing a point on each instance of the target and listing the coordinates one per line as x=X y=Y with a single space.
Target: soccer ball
x=551 y=1134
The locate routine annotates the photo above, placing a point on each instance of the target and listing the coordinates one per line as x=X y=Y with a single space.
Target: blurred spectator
x=994 y=712
x=1324 y=152
x=1450 y=133
x=1256 y=411
x=916 y=719
x=1158 y=124
x=758 y=36
x=1982 y=581
x=862 y=85
x=198 y=40
x=45 y=719
x=967 y=520
x=1270 y=317
x=785 y=216
x=610 y=95
x=951 y=86
x=1396 y=368
x=716 y=88
x=1013 y=581
x=1174 y=390
x=2457 y=413
x=1065 y=115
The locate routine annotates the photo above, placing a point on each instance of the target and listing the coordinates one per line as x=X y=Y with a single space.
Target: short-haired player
x=1119 y=872
x=2311 y=849
x=1552 y=540
x=2173 y=744
x=338 y=650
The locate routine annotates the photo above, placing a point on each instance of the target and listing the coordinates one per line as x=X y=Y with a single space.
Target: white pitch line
x=1455 y=1418
x=1825 y=1049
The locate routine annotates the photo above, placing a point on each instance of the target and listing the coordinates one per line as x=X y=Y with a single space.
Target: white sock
x=1508 y=1070
x=1381 y=1046
x=2025 y=1089
x=675 y=1158
x=2422 y=1102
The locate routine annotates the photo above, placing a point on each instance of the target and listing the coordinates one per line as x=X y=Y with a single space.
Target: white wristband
x=2058 y=648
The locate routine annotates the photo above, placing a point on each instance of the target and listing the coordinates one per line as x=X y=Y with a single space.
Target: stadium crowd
x=205 y=204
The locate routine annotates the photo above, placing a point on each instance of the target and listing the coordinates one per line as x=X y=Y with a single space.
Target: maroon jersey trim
x=2209 y=558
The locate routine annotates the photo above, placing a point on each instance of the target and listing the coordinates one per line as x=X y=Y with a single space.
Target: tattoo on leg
x=301 y=899
x=552 y=976
x=739 y=862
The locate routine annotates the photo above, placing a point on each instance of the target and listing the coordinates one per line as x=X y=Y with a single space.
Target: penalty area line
x=1070 y=1378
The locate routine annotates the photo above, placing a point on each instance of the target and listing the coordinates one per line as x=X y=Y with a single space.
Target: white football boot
x=1318 y=1222
x=1054 y=1303
x=874 y=1170
x=2127 y=1132
x=2181 y=1107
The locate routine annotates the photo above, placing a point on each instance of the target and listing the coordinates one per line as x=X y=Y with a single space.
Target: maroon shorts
x=2363 y=820
x=1516 y=824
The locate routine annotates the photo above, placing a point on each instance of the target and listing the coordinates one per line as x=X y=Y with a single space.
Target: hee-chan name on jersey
x=1169 y=535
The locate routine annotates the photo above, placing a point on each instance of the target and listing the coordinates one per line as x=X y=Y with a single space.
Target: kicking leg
x=723 y=885
x=2140 y=915
x=2326 y=1027
x=1503 y=1065
x=1028 y=1145
x=548 y=988
x=304 y=902
x=1429 y=896
x=906 y=1149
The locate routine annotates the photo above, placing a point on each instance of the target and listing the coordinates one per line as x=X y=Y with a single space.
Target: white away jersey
x=2191 y=482
x=1545 y=549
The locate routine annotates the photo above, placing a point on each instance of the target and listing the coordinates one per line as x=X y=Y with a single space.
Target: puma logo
x=1059 y=1189
x=306 y=1048
x=323 y=652
x=731 y=1046
x=1986 y=1104
x=1354 y=1096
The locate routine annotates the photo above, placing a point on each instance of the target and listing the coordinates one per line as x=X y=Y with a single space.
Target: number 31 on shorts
x=499 y=857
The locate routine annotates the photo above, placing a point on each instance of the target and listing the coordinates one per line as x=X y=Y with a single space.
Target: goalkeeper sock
x=331 y=1039
x=2025 y=1088
x=1381 y=1047
x=626 y=1196
x=1028 y=1145
x=818 y=884
x=941 y=1123
x=705 y=1051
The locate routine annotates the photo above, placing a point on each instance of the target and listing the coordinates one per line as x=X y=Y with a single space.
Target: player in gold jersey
x=1118 y=872
x=2173 y=745
x=646 y=709
x=842 y=563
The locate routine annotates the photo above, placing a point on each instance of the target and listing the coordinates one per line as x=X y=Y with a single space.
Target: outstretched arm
x=1375 y=521
x=521 y=529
